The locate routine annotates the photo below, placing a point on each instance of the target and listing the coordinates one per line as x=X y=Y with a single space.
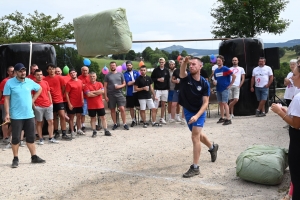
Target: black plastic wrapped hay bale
x=247 y=50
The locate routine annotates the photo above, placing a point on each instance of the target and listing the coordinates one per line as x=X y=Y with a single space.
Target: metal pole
x=30 y=55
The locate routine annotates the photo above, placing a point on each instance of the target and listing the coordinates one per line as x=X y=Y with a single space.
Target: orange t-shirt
x=94 y=102
x=66 y=80
x=85 y=80
x=55 y=84
x=2 y=84
x=43 y=100
x=74 y=88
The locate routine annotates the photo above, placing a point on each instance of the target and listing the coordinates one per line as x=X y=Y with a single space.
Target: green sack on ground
x=102 y=33
x=262 y=164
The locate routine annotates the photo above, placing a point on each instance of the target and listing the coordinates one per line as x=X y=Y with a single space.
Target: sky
x=153 y=19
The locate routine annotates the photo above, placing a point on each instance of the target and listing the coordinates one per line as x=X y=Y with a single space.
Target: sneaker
x=213 y=152
x=221 y=120
x=191 y=172
x=107 y=133
x=178 y=119
x=227 y=122
x=65 y=137
x=8 y=146
x=53 y=140
x=163 y=121
x=231 y=116
x=80 y=132
x=98 y=128
x=22 y=144
x=15 y=163
x=6 y=141
x=145 y=126
x=94 y=134
x=83 y=129
x=262 y=114
x=132 y=124
x=41 y=142
x=286 y=126
x=115 y=127
x=56 y=134
x=257 y=113
x=37 y=159
x=171 y=120
x=183 y=122
x=126 y=127
x=73 y=135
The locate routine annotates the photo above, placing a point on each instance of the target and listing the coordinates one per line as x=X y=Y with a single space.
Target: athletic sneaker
x=8 y=146
x=94 y=134
x=56 y=134
x=22 y=144
x=221 y=120
x=214 y=152
x=36 y=159
x=65 y=137
x=286 y=126
x=107 y=133
x=6 y=140
x=41 y=142
x=231 y=116
x=132 y=124
x=178 y=119
x=80 y=132
x=163 y=121
x=53 y=140
x=171 y=120
x=257 y=113
x=115 y=127
x=191 y=172
x=145 y=125
x=183 y=122
x=83 y=128
x=73 y=135
x=126 y=127
x=98 y=128
x=227 y=122
x=15 y=163
x=262 y=114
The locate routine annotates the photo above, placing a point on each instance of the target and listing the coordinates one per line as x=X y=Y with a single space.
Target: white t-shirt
x=261 y=75
x=132 y=78
x=294 y=108
x=213 y=68
x=290 y=88
x=238 y=72
x=296 y=91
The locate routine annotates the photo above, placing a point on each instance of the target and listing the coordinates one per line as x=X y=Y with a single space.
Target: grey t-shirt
x=172 y=85
x=112 y=79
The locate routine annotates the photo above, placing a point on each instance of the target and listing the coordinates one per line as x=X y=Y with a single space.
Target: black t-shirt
x=192 y=92
x=159 y=73
x=176 y=75
x=203 y=73
x=143 y=81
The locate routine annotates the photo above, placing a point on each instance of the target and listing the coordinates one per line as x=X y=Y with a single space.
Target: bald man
x=85 y=78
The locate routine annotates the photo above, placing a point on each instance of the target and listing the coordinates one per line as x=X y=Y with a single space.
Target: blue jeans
x=261 y=93
x=223 y=96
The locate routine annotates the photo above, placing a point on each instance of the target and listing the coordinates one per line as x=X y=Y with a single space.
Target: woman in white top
x=292 y=117
x=290 y=88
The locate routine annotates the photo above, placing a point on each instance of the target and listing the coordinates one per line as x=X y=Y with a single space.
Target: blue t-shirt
x=128 y=78
x=20 y=105
x=223 y=77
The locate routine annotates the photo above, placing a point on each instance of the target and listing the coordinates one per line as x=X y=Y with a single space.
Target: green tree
x=130 y=55
x=205 y=59
x=146 y=53
x=297 y=49
x=281 y=73
x=281 y=52
x=248 y=18
x=37 y=27
x=184 y=53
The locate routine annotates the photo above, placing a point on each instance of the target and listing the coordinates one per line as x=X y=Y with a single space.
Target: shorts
x=161 y=95
x=84 y=107
x=234 y=92
x=58 y=106
x=116 y=101
x=94 y=112
x=75 y=110
x=3 y=111
x=175 y=96
x=41 y=112
x=28 y=125
x=261 y=93
x=199 y=123
x=132 y=101
x=170 y=95
x=223 y=96
x=146 y=102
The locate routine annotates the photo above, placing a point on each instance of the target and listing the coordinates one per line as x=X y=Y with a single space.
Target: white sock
x=82 y=125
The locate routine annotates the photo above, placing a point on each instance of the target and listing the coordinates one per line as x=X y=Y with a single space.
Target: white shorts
x=161 y=95
x=146 y=102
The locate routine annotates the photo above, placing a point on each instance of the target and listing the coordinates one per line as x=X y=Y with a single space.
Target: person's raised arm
x=183 y=67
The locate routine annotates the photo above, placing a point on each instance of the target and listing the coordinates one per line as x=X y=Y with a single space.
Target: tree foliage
x=248 y=18
x=36 y=27
x=281 y=52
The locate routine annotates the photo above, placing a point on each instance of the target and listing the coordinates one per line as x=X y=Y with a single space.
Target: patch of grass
x=105 y=62
x=288 y=56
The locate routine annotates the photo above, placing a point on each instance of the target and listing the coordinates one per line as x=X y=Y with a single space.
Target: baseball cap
x=128 y=62
x=19 y=66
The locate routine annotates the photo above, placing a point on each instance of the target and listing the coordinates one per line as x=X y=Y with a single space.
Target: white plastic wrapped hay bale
x=103 y=33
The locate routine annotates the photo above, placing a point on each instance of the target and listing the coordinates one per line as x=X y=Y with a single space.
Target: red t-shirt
x=66 y=80
x=43 y=100
x=74 y=88
x=2 y=84
x=85 y=80
x=31 y=76
x=94 y=102
x=55 y=84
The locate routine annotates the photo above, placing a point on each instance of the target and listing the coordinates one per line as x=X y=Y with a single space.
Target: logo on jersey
x=199 y=88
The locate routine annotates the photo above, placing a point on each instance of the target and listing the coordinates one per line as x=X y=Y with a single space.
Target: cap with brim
x=19 y=66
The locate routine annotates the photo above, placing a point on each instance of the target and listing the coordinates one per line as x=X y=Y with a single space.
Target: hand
x=228 y=86
x=215 y=82
x=116 y=86
x=106 y=99
x=186 y=59
x=276 y=108
x=193 y=119
x=160 y=79
x=70 y=107
x=284 y=109
x=252 y=89
x=155 y=99
x=7 y=118
x=266 y=86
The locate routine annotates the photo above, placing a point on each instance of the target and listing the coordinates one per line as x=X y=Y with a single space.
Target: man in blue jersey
x=222 y=81
x=131 y=97
x=193 y=97
x=18 y=105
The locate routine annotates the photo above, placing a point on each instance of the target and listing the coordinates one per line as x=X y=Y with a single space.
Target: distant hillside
x=202 y=52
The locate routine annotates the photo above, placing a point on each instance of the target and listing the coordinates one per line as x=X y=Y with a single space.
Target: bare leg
x=78 y=120
x=231 y=105
x=173 y=109
x=50 y=128
x=39 y=126
x=82 y=118
x=71 y=122
x=170 y=109
x=5 y=130
x=196 y=132
x=93 y=123
x=225 y=105
x=31 y=147
x=123 y=114
x=104 y=122
x=15 y=149
x=55 y=120
x=261 y=105
x=221 y=109
x=204 y=140
x=132 y=113
x=163 y=109
x=177 y=108
x=154 y=112
x=113 y=115
x=61 y=114
x=143 y=115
